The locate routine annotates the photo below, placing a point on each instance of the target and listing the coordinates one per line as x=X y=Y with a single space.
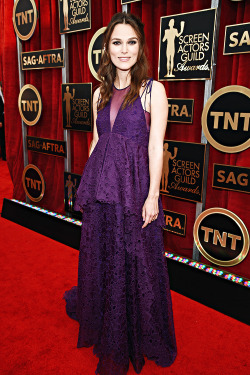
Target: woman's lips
x=124 y=58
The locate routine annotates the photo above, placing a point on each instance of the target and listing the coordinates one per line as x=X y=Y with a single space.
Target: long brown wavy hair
x=107 y=70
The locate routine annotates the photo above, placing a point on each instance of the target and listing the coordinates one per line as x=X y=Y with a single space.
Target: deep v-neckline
x=111 y=128
x=119 y=110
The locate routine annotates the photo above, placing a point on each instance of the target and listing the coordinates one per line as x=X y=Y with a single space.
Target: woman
x=123 y=301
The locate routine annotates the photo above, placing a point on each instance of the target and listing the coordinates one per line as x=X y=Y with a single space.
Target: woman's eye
x=116 y=43
x=132 y=42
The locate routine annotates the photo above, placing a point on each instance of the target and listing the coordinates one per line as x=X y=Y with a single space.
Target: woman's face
x=123 y=47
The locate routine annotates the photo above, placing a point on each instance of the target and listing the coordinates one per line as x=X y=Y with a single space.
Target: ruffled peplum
x=117 y=172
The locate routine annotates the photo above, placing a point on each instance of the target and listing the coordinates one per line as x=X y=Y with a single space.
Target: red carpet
x=38 y=338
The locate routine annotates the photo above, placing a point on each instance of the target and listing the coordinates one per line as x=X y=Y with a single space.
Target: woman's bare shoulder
x=96 y=94
x=158 y=86
x=158 y=90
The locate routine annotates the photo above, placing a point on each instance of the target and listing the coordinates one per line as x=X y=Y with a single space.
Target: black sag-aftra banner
x=128 y=1
x=51 y=58
x=75 y=15
x=71 y=184
x=186 y=45
x=237 y=39
x=180 y=110
x=183 y=169
x=46 y=146
x=231 y=177
x=175 y=222
x=77 y=106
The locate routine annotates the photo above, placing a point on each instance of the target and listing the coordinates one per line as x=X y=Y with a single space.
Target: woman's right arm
x=95 y=134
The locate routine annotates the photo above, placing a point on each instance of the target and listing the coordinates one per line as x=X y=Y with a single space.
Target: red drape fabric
x=231 y=69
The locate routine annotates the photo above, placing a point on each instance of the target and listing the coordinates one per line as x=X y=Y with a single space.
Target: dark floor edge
x=50 y=226
x=220 y=294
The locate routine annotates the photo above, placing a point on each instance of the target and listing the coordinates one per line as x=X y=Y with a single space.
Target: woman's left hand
x=150 y=210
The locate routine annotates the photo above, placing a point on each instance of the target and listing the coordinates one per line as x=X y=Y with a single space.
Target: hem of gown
x=100 y=357
x=72 y=315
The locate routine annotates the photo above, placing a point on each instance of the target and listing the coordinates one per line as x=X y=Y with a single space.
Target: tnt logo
x=230 y=121
x=30 y=104
x=221 y=237
x=95 y=51
x=225 y=119
x=33 y=183
x=24 y=18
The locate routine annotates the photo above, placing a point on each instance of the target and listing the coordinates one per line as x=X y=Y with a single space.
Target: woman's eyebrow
x=133 y=37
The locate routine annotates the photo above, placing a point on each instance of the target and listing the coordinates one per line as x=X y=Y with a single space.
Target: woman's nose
x=124 y=48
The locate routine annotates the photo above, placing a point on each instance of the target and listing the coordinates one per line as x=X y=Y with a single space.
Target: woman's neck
x=122 y=79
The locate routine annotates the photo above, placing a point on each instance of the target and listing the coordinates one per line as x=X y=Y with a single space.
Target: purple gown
x=122 y=301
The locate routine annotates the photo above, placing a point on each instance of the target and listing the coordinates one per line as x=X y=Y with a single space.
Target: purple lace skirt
x=122 y=301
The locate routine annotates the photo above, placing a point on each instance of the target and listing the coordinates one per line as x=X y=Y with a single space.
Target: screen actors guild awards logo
x=183 y=168
x=67 y=98
x=77 y=106
x=65 y=14
x=167 y=156
x=169 y=36
x=186 y=45
x=75 y=15
x=71 y=184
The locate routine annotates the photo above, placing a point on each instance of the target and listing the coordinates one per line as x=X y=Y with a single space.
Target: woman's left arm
x=159 y=116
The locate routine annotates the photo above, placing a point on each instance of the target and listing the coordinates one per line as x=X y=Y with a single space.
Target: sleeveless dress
x=122 y=301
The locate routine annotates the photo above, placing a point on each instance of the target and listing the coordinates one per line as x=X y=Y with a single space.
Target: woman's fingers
x=149 y=218
x=143 y=213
